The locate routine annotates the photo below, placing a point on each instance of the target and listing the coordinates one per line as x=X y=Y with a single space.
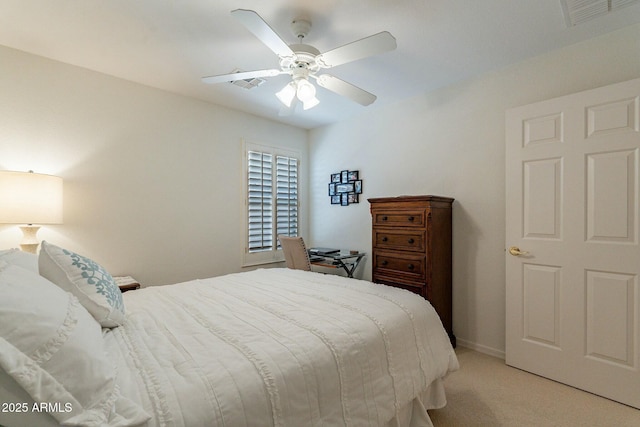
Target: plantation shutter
x=260 y=201
x=265 y=204
x=287 y=196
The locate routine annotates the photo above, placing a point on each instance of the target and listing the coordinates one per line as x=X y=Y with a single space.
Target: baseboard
x=481 y=348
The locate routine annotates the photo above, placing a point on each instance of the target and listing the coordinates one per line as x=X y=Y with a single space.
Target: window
x=272 y=201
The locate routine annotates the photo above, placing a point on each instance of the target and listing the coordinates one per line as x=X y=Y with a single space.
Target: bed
x=270 y=347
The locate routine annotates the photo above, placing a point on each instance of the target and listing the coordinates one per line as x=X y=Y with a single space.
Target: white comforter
x=279 y=347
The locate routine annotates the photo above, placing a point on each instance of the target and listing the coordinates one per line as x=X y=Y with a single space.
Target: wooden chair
x=295 y=253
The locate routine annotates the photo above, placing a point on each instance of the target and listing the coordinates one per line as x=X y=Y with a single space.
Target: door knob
x=515 y=251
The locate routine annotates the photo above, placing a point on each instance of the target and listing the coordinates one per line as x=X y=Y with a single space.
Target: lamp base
x=29 y=240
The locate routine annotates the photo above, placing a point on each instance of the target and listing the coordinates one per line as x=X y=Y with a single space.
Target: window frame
x=273 y=255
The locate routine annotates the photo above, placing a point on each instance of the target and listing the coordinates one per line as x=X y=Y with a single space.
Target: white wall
x=152 y=180
x=451 y=143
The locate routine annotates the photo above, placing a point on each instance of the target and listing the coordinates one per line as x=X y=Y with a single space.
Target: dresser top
x=411 y=199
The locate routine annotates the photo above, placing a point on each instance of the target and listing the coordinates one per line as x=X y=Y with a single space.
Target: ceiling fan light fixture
x=287 y=93
x=302 y=89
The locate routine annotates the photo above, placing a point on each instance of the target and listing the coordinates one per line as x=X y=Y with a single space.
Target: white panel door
x=573 y=253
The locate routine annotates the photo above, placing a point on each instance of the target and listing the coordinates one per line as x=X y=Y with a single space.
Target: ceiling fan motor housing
x=305 y=57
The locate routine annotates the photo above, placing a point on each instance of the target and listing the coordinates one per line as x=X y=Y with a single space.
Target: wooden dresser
x=411 y=248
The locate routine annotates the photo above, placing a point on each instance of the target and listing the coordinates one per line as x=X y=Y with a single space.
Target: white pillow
x=87 y=280
x=52 y=347
x=18 y=257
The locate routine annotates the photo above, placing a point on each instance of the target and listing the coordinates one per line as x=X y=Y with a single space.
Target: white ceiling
x=171 y=44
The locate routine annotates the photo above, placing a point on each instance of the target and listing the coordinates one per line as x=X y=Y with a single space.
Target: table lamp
x=30 y=198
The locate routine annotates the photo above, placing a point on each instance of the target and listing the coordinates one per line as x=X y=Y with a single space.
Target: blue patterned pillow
x=86 y=279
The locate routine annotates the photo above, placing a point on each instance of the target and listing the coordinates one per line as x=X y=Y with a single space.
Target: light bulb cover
x=287 y=93
x=306 y=91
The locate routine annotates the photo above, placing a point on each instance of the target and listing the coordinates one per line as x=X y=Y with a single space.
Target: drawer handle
x=384 y=239
x=411 y=266
x=411 y=241
x=384 y=218
x=411 y=218
x=385 y=262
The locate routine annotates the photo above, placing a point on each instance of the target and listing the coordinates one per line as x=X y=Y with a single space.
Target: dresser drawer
x=403 y=240
x=409 y=266
x=399 y=218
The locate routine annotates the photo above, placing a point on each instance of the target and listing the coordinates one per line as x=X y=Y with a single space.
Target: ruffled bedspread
x=279 y=347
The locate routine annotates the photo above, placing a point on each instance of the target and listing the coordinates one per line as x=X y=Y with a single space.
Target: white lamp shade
x=30 y=198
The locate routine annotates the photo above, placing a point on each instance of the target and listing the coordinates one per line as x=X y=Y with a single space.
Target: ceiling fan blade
x=368 y=46
x=254 y=23
x=241 y=76
x=348 y=90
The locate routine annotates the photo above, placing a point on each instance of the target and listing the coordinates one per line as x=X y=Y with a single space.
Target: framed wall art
x=345 y=187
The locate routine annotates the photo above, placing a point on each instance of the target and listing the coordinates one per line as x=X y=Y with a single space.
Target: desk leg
x=341 y=264
x=350 y=268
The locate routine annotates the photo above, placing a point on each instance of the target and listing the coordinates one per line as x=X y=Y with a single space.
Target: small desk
x=343 y=259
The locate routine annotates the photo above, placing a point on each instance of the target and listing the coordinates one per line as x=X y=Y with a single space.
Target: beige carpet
x=486 y=392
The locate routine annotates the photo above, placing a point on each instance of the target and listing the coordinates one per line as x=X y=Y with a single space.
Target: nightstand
x=127 y=283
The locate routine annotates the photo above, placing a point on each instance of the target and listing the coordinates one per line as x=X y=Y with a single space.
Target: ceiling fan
x=303 y=62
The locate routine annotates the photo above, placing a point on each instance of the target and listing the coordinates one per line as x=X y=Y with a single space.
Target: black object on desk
x=347 y=260
x=323 y=251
